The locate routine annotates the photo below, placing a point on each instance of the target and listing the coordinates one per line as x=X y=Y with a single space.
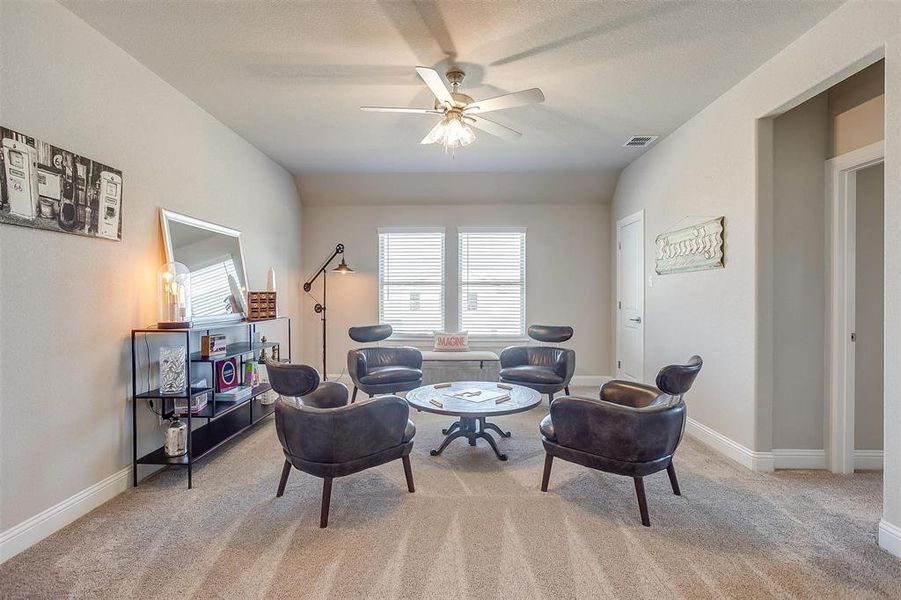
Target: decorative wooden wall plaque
x=693 y=248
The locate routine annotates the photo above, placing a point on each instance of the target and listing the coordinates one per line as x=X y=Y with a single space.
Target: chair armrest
x=619 y=432
x=514 y=356
x=368 y=427
x=565 y=366
x=329 y=394
x=407 y=356
x=629 y=393
x=337 y=435
x=356 y=365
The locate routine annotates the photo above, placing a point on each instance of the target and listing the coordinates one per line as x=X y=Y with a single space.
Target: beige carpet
x=475 y=527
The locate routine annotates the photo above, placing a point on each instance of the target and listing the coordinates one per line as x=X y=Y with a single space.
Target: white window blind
x=210 y=289
x=411 y=280
x=492 y=281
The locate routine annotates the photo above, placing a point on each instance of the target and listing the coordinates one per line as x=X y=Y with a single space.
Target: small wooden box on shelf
x=261 y=306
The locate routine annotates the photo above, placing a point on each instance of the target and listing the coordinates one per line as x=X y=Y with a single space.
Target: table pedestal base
x=472 y=429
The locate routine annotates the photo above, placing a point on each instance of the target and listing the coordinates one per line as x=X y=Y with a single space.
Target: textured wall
x=868 y=353
x=711 y=165
x=801 y=146
x=567 y=268
x=68 y=303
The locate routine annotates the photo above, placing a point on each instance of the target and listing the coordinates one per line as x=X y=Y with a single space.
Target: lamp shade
x=343 y=268
x=174 y=288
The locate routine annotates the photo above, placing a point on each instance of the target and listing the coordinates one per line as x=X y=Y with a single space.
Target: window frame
x=443 y=279
x=512 y=337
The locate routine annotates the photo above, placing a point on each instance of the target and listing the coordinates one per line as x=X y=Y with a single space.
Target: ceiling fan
x=458 y=111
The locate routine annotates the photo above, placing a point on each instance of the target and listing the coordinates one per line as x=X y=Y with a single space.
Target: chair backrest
x=553 y=334
x=370 y=333
x=548 y=356
x=292 y=380
x=676 y=380
x=343 y=434
x=618 y=431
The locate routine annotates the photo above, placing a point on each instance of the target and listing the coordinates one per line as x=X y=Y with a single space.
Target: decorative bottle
x=176 y=438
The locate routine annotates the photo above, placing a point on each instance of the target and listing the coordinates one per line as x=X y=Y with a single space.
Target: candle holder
x=174 y=287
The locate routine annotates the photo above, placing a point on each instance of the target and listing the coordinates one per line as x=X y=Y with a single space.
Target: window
x=492 y=281
x=411 y=280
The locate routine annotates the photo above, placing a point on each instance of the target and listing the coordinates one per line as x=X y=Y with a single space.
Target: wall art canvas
x=45 y=187
x=693 y=248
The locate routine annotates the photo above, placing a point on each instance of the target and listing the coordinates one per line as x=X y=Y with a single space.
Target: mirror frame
x=165 y=216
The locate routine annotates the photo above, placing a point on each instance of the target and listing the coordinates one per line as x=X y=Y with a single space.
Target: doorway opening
x=809 y=286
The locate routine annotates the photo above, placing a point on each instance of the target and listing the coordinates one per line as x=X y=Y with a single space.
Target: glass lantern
x=174 y=285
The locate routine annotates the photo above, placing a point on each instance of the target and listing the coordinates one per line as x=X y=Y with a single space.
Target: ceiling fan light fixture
x=457 y=133
x=459 y=111
x=451 y=132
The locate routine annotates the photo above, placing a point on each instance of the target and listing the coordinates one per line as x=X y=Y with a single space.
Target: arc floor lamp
x=320 y=306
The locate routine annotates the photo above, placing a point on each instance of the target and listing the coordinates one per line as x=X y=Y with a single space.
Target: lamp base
x=174 y=325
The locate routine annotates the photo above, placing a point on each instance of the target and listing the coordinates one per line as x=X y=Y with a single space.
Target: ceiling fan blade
x=522 y=98
x=412 y=111
x=495 y=129
x=436 y=84
x=433 y=134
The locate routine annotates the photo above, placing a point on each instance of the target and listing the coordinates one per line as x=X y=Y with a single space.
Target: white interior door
x=630 y=297
x=841 y=227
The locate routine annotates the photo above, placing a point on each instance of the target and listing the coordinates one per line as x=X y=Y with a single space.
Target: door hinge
x=619 y=364
x=619 y=304
x=620 y=246
x=853 y=337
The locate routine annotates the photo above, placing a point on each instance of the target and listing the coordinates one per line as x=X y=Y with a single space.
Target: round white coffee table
x=472 y=414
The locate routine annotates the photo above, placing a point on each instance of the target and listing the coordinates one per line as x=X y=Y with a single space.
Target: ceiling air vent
x=638 y=141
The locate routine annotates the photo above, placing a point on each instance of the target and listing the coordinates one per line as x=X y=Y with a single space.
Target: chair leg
x=353 y=397
x=546 y=477
x=642 y=501
x=326 y=501
x=566 y=390
x=371 y=395
x=671 y=471
x=408 y=472
x=286 y=470
x=550 y=398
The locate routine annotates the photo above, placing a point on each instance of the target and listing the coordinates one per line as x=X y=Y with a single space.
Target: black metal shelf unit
x=224 y=418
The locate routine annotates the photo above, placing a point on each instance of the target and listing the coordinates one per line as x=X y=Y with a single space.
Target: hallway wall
x=868 y=392
x=711 y=165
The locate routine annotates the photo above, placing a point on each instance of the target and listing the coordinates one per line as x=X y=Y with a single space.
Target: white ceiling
x=289 y=76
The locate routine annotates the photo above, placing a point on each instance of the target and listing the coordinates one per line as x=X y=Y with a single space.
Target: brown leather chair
x=321 y=434
x=632 y=429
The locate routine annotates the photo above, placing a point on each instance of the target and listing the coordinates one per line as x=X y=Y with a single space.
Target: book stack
x=235 y=394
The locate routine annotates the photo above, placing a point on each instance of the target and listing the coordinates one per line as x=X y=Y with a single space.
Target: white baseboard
x=816 y=459
x=756 y=461
x=33 y=530
x=799 y=459
x=890 y=538
x=868 y=459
